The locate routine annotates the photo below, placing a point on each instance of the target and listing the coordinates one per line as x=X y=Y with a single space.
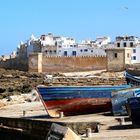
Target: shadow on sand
x=37 y=117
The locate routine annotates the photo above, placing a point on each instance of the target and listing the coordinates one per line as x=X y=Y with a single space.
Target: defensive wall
x=15 y=63
x=40 y=63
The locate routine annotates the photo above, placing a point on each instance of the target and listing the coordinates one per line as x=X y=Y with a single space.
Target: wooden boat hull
x=77 y=100
x=134 y=72
x=119 y=99
x=133 y=108
x=131 y=79
x=79 y=106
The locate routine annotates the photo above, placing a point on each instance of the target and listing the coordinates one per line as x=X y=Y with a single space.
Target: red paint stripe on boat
x=76 y=100
x=79 y=106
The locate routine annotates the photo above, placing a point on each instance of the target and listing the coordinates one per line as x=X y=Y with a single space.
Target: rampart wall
x=39 y=63
x=15 y=63
x=65 y=64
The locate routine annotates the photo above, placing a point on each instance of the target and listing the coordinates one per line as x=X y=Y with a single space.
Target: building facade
x=132 y=42
x=117 y=58
x=51 y=45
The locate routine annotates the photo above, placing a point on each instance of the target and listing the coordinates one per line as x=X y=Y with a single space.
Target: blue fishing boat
x=132 y=79
x=119 y=99
x=77 y=100
x=133 y=109
x=133 y=71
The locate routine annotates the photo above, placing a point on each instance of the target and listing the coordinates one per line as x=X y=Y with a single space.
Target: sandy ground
x=132 y=134
x=110 y=128
x=99 y=73
x=17 y=110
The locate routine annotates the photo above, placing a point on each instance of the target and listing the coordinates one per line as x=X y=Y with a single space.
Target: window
x=46 y=51
x=124 y=44
x=85 y=50
x=131 y=44
x=134 y=50
x=128 y=55
x=118 y=44
x=43 y=38
x=81 y=50
x=115 y=55
x=74 y=53
x=134 y=57
x=55 y=51
x=65 y=53
x=55 y=43
x=50 y=51
x=91 y=50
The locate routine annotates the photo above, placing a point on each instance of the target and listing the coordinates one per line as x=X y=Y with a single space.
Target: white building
x=101 y=41
x=81 y=50
x=30 y=44
x=126 y=41
x=132 y=42
x=47 y=40
x=136 y=54
x=51 y=45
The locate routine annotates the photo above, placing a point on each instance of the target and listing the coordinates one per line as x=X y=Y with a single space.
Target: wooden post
x=61 y=115
x=88 y=133
x=24 y=113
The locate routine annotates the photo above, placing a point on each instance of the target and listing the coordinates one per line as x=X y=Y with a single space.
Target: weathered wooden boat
x=133 y=109
x=133 y=71
x=132 y=79
x=77 y=100
x=119 y=99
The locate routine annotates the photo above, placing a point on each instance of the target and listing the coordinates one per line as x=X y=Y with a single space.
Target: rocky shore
x=18 y=87
x=14 y=82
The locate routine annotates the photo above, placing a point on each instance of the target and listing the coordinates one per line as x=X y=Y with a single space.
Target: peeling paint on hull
x=80 y=106
x=77 y=100
x=120 y=97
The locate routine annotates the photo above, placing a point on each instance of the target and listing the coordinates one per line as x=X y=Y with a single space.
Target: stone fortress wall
x=39 y=63
x=15 y=63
